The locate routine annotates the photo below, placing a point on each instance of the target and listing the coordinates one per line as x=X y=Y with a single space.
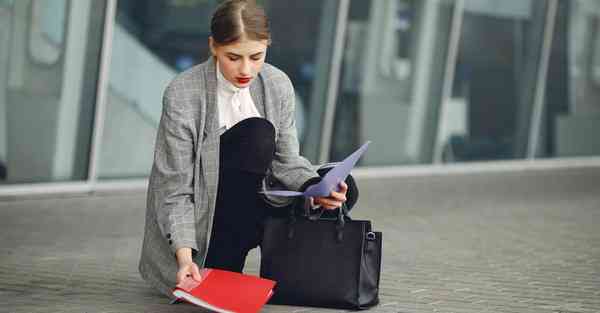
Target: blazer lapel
x=262 y=100
x=212 y=109
x=212 y=132
x=256 y=92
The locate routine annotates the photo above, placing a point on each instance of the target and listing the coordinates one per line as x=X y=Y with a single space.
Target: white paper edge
x=184 y=295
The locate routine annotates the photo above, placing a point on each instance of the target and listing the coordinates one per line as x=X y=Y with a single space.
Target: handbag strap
x=314 y=215
x=342 y=216
x=291 y=222
x=339 y=227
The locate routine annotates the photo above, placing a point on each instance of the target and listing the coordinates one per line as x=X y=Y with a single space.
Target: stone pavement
x=504 y=242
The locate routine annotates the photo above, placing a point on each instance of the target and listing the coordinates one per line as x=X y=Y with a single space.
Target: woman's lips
x=243 y=80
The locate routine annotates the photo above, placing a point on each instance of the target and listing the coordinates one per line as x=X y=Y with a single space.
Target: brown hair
x=234 y=19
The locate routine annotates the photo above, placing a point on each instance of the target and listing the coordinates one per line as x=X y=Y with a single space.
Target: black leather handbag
x=322 y=262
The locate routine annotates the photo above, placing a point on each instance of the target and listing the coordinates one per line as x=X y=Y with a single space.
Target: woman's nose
x=245 y=68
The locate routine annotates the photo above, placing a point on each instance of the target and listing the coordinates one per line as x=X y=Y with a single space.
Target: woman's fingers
x=344 y=187
x=188 y=271
x=181 y=276
x=335 y=199
x=328 y=203
x=196 y=273
x=338 y=196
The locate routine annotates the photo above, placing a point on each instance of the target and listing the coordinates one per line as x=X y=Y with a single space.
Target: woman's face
x=240 y=61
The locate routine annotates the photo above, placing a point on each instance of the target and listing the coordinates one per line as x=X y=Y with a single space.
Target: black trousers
x=246 y=151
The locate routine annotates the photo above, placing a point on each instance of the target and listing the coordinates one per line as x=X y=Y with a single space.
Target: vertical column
x=540 y=88
x=326 y=73
x=334 y=79
x=102 y=88
x=447 y=84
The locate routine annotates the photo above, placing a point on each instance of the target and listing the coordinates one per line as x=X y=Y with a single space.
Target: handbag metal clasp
x=371 y=236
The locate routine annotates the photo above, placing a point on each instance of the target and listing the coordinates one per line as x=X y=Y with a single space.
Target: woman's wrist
x=184 y=256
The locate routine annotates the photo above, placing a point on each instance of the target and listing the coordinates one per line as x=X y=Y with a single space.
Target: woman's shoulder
x=190 y=81
x=185 y=93
x=274 y=77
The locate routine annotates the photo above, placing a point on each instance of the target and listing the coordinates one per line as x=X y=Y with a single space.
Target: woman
x=227 y=131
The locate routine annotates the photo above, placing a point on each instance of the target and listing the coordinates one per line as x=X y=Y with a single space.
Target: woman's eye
x=233 y=58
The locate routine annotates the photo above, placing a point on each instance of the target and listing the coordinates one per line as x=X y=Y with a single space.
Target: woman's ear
x=211 y=44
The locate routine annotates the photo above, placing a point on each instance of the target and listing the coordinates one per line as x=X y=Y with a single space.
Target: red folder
x=225 y=291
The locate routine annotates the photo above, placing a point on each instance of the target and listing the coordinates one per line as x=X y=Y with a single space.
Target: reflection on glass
x=155 y=40
x=488 y=116
x=47 y=92
x=46 y=33
x=392 y=73
x=571 y=119
x=303 y=36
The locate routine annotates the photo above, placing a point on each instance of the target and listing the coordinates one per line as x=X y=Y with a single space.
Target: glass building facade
x=429 y=82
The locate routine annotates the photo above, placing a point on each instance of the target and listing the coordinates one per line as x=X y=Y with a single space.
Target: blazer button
x=170 y=241
x=168 y=236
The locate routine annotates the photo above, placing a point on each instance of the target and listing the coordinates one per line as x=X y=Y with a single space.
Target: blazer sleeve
x=172 y=174
x=288 y=166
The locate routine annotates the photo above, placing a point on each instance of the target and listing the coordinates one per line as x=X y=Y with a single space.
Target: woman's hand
x=187 y=271
x=335 y=199
x=187 y=268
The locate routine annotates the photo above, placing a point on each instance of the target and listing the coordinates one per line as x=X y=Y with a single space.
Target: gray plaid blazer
x=183 y=182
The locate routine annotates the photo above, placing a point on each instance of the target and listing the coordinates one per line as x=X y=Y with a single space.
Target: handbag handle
x=319 y=213
x=342 y=216
x=339 y=226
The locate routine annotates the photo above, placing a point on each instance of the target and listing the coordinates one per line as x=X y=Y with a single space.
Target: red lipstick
x=243 y=80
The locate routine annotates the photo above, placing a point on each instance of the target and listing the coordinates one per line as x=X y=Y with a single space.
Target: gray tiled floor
x=512 y=242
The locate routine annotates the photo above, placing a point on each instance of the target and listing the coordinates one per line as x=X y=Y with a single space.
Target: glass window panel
x=46 y=32
x=488 y=115
x=155 y=40
x=49 y=55
x=303 y=37
x=391 y=81
x=571 y=119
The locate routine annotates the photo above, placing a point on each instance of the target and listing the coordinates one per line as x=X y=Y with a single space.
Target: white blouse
x=235 y=104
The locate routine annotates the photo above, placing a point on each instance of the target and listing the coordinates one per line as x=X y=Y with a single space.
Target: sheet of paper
x=330 y=181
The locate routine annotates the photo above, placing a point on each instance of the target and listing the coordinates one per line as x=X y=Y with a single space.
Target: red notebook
x=225 y=291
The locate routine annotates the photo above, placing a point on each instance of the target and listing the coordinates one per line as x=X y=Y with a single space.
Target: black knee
x=248 y=146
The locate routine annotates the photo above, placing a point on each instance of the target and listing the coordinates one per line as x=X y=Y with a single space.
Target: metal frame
x=447 y=84
x=102 y=89
x=540 y=89
x=334 y=79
